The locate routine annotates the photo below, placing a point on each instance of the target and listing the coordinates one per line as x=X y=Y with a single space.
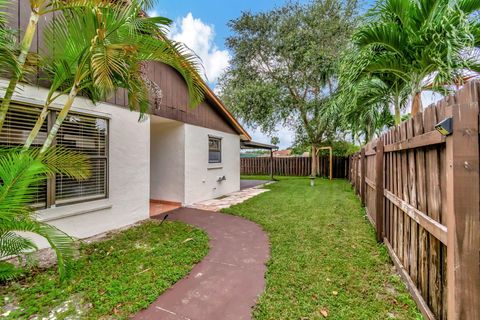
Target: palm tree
x=426 y=43
x=367 y=108
x=363 y=91
x=97 y=51
x=8 y=60
x=22 y=173
x=38 y=8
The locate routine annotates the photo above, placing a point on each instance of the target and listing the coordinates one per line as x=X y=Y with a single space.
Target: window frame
x=219 y=139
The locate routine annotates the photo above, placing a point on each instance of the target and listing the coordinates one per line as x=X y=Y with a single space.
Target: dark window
x=214 y=150
x=83 y=133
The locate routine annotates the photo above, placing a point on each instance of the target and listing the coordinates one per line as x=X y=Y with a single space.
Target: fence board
x=412 y=190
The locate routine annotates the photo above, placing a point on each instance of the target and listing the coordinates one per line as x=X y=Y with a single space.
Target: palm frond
x=468 y=6
x=180 y=58
x=61 y=243
x=8 y=44
x=12 y=244
x=388 y=36
x=8 y=271
x=101 y=50
x=21 y=174
x=60 y=160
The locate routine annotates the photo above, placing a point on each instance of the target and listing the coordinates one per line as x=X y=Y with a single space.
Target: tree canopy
x=284 y=66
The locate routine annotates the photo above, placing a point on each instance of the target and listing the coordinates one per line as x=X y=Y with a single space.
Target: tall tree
x=426 y=44
x=38 y=8
x=283 y=70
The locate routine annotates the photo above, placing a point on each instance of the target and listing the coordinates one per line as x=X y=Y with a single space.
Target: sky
x=203 y=27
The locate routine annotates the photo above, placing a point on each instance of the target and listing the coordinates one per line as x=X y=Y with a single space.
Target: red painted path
x=227 y=283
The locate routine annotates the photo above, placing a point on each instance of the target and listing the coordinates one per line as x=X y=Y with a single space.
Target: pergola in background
x=252 y=145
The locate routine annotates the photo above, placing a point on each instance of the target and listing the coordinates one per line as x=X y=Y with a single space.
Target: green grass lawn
x=325 y=261
x=113 y=278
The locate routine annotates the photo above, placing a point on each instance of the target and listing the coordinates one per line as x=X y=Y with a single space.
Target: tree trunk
x=22 y=57
x=60 y=118
x=417 y=104
x=314 y=161
x=36 y=129
x=398 y=116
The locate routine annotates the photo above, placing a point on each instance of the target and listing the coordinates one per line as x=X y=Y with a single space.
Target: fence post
x=350 y=169
x=379 y=171
x=462 y=152
x=362 y=176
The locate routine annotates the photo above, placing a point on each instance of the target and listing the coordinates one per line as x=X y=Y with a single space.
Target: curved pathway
x=225 y=285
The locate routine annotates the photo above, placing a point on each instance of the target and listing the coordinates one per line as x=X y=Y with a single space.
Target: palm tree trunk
x=398 y=116
x=314 y=161
x=60 y=118
x=36 y=129
x=417 y=104
x=22 y=57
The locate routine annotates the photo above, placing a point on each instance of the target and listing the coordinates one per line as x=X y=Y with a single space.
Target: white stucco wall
x=129 y=177
x=200 y=176
x=167 y=160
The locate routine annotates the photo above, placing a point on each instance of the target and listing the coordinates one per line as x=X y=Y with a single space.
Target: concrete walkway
x=247 y=184
x=231 y=199
x=227 y=283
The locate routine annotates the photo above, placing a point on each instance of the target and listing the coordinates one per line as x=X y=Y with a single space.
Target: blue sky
x=202 y=26
x=216 y=13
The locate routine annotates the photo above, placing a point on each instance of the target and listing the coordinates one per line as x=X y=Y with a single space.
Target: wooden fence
x=294 y=166
x=421 y=191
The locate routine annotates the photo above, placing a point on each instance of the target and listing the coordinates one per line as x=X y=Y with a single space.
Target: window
x=87 y=135
x=82 y=133
x=214 y=150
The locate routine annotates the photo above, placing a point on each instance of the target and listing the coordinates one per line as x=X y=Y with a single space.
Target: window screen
x=214 y=150
x=82 y=133
x=87 y=135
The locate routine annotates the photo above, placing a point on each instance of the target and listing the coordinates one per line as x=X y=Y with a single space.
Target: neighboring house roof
x=282 y=153
x=257 y=145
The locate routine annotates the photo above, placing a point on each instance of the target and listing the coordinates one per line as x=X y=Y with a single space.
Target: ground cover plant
x=113 y=278
x=325 y=261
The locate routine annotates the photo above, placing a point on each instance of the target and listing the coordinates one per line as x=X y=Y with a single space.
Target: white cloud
x=153 y=13
x=199 y=37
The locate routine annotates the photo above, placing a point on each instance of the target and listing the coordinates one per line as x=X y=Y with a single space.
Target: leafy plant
x=38 y=8
x=422 y=45
x=22 y=173
x=8 y=59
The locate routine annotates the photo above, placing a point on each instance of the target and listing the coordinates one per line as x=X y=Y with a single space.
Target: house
x=282 y=153
x=178 y=155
